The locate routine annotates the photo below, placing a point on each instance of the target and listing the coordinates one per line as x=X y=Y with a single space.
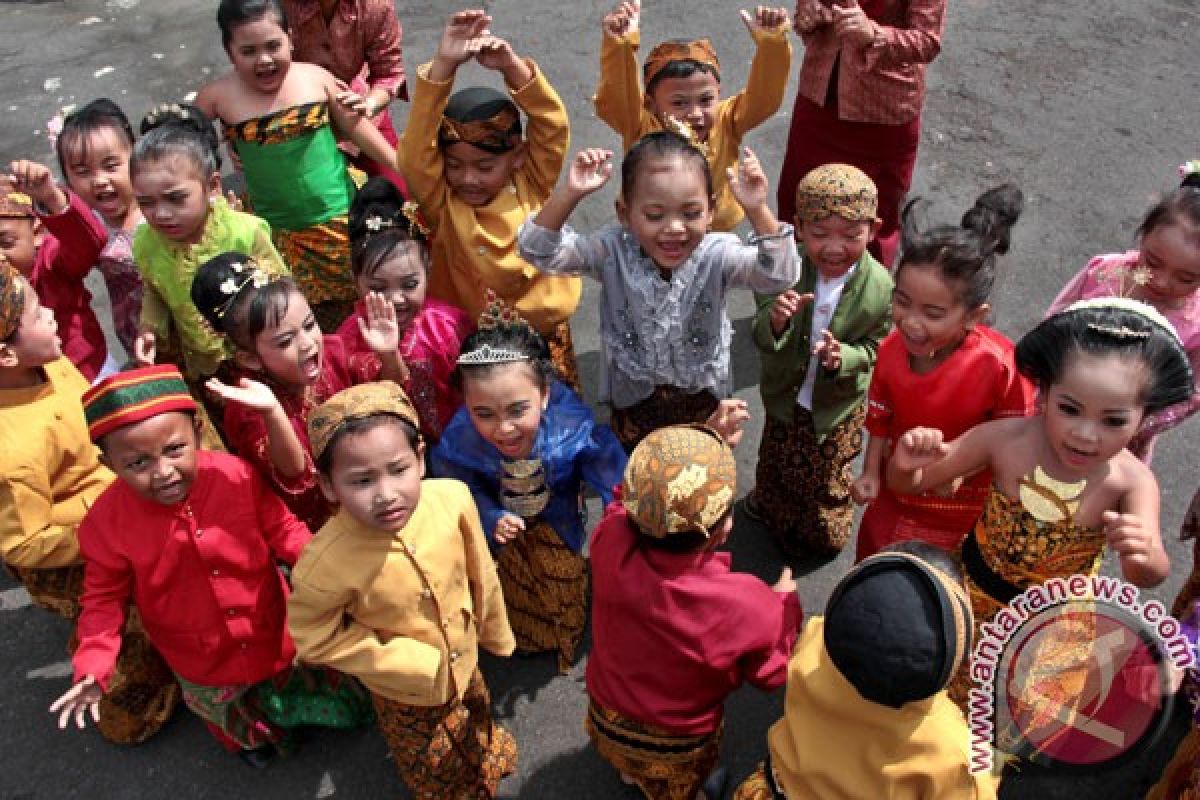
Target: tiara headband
x=1145 y=310
x=496 y=315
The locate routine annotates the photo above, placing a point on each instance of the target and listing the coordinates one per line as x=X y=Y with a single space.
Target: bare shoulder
x=1129 y=473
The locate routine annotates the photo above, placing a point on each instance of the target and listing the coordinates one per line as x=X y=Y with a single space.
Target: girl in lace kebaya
x=664 y=277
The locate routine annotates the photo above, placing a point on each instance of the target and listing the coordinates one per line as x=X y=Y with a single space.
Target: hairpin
x=232 y=287
x=681 y=128
x=1118 y=332
x=1145 y=310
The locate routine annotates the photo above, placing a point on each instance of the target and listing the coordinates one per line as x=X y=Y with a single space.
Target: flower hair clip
x=1189 y=173
x=250 y=274
x=1124 y=278
x=164 y=111
x=377 y=223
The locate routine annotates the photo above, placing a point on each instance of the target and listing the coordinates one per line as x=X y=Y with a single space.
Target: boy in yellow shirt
x=682 y=81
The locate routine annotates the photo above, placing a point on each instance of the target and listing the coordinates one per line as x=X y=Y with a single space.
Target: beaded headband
x=496 y=314
x=165 y=111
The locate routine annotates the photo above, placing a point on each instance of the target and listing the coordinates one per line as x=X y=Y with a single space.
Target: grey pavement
x=1088 y=106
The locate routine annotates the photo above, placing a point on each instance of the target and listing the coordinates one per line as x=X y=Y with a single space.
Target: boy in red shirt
x=191 y=537
x=658 y=677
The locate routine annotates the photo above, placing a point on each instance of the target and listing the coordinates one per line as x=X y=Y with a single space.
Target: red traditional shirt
x=430 y=347
x=675 y=633
x=201 y=574
x=360 y=41
x=75 y=238
x=977 y=382
x=246 y=430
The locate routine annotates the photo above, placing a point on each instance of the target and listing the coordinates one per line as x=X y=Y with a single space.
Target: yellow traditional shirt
x=834 y=744
x=50 y=472
x=406 y=613
x=475 y=249
x=620 y=103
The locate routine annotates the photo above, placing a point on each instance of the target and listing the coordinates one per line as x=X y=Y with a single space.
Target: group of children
x=389 y=364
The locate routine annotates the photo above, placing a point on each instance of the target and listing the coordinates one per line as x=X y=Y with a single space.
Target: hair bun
x=378 y=197
x=993 y=216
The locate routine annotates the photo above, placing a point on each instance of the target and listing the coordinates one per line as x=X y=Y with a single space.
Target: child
x=398 y=590
x=284 y=368
x=389 y=254
x=663 y=277
x=941 y=367
x=49 y=477
x=1165 y=272
x=190 y=538
x=674 y=630
x=866 y=713
x=525 y=443
x=1064 y=486
x=178 y=187
x=93 y=149
x=51 y=237
x=818 y=342
x=683 y=85
x=477 y=180
x=282 y=118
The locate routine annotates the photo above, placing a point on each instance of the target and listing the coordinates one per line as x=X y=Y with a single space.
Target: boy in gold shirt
x=400 y=591
x=683 y=91
x=477 y=180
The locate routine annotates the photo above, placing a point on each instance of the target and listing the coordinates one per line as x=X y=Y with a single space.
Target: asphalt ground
x=1088 y=106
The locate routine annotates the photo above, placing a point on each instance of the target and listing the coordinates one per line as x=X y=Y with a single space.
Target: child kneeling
x=659 y=722
x=399 y=590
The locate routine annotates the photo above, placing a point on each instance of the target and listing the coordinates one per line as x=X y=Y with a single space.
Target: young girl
x=281 y=118
x=178 y=187
x=477 y=179
x=389 y=254
x=285 y=369
x=1063 y=486
x=1165 y=272
x=93 y=149
x=663 y=276
x=683 y=86
x=398 y=590
x=941 y=367
x=525 y=443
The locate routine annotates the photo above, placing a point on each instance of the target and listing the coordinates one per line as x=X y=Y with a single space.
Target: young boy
x=659 y=587
x=683 y=81
x=477 y=180
x=52 y=238
x=49 y=477
x=866 y=712
x=818 y=342
x=399 y=590
x=190 y=539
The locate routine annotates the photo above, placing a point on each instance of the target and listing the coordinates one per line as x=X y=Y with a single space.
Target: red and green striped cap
x=135 y=395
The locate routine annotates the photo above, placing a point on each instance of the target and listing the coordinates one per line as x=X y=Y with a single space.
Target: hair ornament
x=416 y=223
x=250 y=274
x=1125 y=304
x=54 y=125
x=164 y=111
x=1124 y=278
x=1189 y=169
x=496 y=314
x=377 y=223
x=685 y=131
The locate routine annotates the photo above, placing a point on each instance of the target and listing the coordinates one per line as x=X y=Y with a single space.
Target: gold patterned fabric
x=319 y=257
x=12 y=299
x=1023 y=552
x=698 y=50
x=357 y=402
x=667 y=405
x=495 y=133
x=836 y=189
x=281 y=126
x=453 y=751
x=680 y=479
x=755 y=787
x=664 y=766
x=562 y=355
x=545 y=586
x=15 y=205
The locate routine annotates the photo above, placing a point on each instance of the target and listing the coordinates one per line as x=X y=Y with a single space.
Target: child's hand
x=786 y=583
x=811 y=15
x=786 y=306
x=590 y=170
x=919 y=448
x=1127 y=536
x=461 y=37
x=78 y=701
x=248 y=393
x=36 y=180
x=852 y=24
x=623 y=20
x=508 y=527
x=495 y=53
x=765 y=19
x=829 y=352
x=144 y=349
x=379 y=328
x=748 y=182
x=865 y=489
x=728 y=419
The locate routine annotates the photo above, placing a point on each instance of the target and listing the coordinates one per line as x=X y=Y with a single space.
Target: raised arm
x=618 y=99
x=923 y=460
x=767 y=82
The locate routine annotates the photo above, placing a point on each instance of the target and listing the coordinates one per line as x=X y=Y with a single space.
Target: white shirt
x=825 y=301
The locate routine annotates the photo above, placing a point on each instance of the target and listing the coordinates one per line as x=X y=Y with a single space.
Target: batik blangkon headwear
x=481 y=117
x=680 y=479
x=358 y=402
x=836 y=189
x=12 y=299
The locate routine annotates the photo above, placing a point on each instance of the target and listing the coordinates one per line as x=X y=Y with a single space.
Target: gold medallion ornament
x=1050 y=500
x=523 y=489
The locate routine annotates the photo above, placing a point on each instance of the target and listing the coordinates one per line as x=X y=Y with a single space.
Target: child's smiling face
x=833 y=243
x=668 y=209
x=505 y=404
x=292 y=351
x=401 y=278
x=692 y=100
x=261 y=53
x=97 y=167
x=476 y=175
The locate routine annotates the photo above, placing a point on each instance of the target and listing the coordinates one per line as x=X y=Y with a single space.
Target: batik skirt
x=668 y=405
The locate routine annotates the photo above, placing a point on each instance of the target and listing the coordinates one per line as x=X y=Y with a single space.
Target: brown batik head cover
x=837 y=189
x=14 y=204
x=12 y=299
x=481 y=117
x=679 y=479
x=358 y=402
x=699 y=50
